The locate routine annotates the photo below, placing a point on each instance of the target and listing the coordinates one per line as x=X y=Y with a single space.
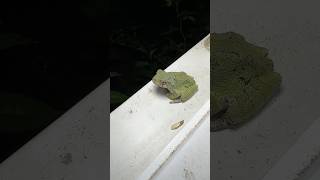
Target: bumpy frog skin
x=242 y=80
x=180 y=86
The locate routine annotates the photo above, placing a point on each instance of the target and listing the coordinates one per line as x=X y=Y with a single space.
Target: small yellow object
x=177 y=125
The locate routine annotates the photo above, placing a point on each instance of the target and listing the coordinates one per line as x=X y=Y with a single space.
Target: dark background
x=150 y=35
x=52 y=54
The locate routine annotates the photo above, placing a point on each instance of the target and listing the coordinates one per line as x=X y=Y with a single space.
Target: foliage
x=20 y=113
x=8 y=40
x=144 y=48
x=117 y=97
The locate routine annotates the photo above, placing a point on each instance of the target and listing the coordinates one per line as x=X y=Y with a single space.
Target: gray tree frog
x=180 y=85
x=242 y=80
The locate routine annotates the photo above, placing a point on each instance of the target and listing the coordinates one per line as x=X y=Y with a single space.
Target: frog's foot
x=218 y=125
x=172 y=96
x=218 y=120
x=176 y=101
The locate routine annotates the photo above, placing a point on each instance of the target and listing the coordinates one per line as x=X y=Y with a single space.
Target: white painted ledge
x=140 y=136
x=177 y=141
x=191 y=161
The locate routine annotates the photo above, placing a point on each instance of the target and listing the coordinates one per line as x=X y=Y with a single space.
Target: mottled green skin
x=180 y=86
x=242 y=80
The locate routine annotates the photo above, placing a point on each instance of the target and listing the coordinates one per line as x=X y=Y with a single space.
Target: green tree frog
x=180 y=85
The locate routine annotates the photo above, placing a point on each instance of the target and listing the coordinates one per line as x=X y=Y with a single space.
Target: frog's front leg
x=176 y=98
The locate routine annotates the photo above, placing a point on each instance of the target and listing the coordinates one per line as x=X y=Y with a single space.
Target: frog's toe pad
x=176 y=101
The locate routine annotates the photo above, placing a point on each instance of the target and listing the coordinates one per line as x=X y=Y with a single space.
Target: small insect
x=177 y=125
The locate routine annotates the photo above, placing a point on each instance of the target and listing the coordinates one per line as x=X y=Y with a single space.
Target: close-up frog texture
x=243 y=80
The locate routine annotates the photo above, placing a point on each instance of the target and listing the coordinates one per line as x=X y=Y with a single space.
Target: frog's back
x=183 y=78
x=242 y=73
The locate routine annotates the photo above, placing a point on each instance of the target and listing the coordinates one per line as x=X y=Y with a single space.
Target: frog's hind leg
x=188 y=93
x=174 y=97
x=219 y=121
x=178 y=100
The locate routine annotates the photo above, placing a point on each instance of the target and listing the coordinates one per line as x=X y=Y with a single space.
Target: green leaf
x=19 y=113
x=168 y=3
x=117 y=97
x=189 y=18
x=9 y=40
x=141 y=64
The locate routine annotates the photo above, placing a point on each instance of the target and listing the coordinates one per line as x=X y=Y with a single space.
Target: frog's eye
x=163 y=83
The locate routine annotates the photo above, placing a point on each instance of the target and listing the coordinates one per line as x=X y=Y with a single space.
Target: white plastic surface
x=192 y=160
x=183 y=136
x=140 y=127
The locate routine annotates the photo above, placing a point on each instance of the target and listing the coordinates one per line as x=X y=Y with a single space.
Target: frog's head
x=162 y=79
